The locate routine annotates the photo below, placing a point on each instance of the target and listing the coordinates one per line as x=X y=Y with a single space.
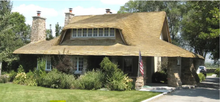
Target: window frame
x=85 y=34
x=77 y=63
x=47 y=63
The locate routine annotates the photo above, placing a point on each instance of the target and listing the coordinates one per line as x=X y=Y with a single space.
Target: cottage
x=87 y=39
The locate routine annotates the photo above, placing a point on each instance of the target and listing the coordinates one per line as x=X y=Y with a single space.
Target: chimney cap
x=70 y=10
x=38 y=13
x=108 y=11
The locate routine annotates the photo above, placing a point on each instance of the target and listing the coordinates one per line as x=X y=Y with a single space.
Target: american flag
x=141 y=64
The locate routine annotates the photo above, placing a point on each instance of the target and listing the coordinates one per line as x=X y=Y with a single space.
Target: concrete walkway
x=207 y=91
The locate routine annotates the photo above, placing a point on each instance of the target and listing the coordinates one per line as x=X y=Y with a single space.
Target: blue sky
x=54 y=10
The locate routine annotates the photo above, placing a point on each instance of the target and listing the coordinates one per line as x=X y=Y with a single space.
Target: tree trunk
x=0 y=68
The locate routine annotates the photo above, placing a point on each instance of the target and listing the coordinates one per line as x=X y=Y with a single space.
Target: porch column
x=173 y=73
x=189 y=75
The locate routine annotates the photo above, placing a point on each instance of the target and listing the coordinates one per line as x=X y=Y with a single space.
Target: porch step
x=157 y=88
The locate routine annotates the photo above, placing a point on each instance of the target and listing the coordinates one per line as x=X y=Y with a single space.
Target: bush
x=119 y=81
x=90 y=80
x=20 y=78
x=56 y=79
x=20 y=69
x=30 y=80
x=12 y=75
x=217 y=71
x=201 y=77
x=159 y=77
x=3 y=79
x=40 y=72
x=115 y=78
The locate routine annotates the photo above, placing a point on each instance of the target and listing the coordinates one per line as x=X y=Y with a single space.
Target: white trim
x=76 y=61
x=47 y=57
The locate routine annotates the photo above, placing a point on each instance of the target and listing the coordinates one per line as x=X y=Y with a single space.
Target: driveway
x=207 y=91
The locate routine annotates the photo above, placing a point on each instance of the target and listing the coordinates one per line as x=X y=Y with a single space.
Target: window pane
x=79 y=32
x=80 y=64
x=74 y=32
x=95 y=32
x=84 y=32
x=89 y=32
x=75 y=63
x=100 y=31
x=106 y=32
x=112 y=32
x=48 y=63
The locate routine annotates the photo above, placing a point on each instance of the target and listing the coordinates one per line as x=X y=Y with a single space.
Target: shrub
x=40 y=72
x=201 y=77
x=56 y=79
x=119 y=81
x=3 y=79
x=159 y=77
x=12 y=75
x=217 y=71
x=20 y=78
x=115 y=78
x=90 y=80
x=30 y=80
x=20 y=69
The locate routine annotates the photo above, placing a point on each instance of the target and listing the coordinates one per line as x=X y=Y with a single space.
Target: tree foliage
x=49 y=35
x=200 y=27
x=58 y=29
x=14 y=33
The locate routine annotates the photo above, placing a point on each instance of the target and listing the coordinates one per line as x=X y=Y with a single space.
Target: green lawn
x=19 y=93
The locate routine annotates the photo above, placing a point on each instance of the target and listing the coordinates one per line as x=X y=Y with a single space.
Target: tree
x=57 y=29
x=14 y=32
x=200 y=27
x=49 y=34
x=172 y=8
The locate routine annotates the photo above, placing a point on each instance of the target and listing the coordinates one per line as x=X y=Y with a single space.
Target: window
x=100 y=32
x=48 y=64
x=74 y=32
x=128 y=65
x=106 y=32
x=79 y=32
x=89 y=32
x=84 y=32
x=94 y=33
x=112 y=32
x=78 y=65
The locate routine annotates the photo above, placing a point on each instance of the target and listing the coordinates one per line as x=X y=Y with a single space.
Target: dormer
x=93 y=33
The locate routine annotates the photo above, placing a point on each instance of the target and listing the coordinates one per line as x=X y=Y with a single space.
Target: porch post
x=0 y=68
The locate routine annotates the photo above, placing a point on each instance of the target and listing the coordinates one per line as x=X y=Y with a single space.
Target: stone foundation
x=189 y=76
x=173 y=73
x=139 y=83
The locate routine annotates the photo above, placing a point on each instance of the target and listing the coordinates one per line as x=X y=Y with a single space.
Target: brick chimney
x=38 y=32
x=108 y=11
x=68 y=16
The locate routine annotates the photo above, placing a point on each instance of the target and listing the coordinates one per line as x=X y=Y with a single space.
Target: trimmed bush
x=12 y=75
x=40 y=72
x=30 y=80
x=90 y=80
x=56 y=79
x=217 y=71
x=201 y=77
x=3 y=79
x=20 y=78
x=115 y=78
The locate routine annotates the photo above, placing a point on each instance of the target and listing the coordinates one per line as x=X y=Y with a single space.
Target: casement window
x=78 y=65
x=48 y=64
x=94 y=33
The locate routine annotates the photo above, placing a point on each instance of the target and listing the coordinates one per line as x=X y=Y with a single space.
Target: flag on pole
x=141 y=64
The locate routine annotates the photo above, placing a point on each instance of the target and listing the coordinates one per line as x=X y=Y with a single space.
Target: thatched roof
x=141 y=31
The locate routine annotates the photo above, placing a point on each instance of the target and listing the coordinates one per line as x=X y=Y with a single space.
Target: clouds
x=31 y=10
x=114 y=2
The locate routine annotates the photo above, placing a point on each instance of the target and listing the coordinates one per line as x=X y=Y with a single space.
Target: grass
x=19 y=93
